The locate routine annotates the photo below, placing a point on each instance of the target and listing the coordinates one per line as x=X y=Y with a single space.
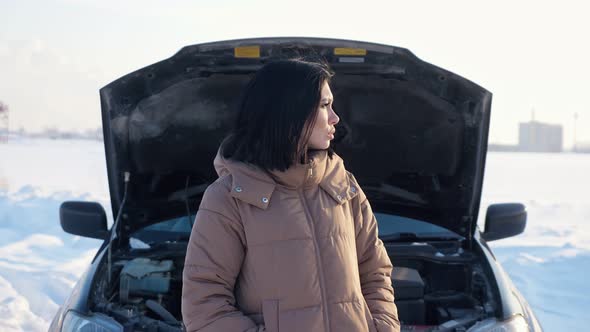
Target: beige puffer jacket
x=295 y=251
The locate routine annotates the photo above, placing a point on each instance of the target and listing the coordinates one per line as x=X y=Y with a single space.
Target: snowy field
x=39 y=263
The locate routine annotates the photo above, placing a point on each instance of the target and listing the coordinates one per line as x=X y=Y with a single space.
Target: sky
x=532 y=55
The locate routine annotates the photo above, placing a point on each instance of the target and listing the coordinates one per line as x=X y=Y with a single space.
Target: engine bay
x=144 y=290
x=437 y=287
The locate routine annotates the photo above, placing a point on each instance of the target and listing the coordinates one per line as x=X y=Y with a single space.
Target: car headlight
x=74 y=322
x=513 y=324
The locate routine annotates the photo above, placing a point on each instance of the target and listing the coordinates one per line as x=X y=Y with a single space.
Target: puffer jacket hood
x=328 y=173
x=287 y=251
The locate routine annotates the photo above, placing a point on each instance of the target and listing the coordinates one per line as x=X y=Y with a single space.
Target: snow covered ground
x=549 y=262
x=39 y=263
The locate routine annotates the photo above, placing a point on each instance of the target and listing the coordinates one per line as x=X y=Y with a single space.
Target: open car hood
x=414 y=135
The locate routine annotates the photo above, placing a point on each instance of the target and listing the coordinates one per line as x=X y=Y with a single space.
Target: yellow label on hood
x=247 y=52
x=349 y=51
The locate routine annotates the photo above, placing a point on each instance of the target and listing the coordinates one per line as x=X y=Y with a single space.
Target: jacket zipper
x=318 y=258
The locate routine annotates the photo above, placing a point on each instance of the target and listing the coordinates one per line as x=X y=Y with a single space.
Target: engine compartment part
x=145 y=292
x=439 y=287
x=407 y=283
x=409 y=293
x=143 y=276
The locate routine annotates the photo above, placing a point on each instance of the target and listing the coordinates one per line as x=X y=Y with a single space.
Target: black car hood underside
x=413 y=134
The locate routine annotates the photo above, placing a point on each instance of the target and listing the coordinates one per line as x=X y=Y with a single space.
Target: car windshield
x=391 y=227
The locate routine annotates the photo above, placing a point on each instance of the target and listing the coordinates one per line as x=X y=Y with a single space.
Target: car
x=413 y=134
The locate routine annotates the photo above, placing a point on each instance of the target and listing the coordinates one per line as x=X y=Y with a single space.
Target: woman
x=285 y=239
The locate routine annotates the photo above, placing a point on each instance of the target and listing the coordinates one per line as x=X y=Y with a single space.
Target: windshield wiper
x=413 y=237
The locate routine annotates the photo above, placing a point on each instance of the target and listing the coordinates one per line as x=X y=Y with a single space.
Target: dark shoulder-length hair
x=277 y=114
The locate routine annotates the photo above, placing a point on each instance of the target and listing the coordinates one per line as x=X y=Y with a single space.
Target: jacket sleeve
x=374 y=268
x=213 y=261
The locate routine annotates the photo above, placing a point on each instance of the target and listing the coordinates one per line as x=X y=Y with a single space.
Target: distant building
x=534 y=136
x=582 y=147
x=502 y=147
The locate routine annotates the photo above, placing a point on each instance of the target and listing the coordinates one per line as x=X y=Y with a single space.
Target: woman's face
x=323 y=131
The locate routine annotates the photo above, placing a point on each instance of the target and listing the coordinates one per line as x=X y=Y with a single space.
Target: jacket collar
x=303 y=175
x=254 y=186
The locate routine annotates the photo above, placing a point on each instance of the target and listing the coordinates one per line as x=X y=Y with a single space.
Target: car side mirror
x=504 y=220
x=87 y=219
